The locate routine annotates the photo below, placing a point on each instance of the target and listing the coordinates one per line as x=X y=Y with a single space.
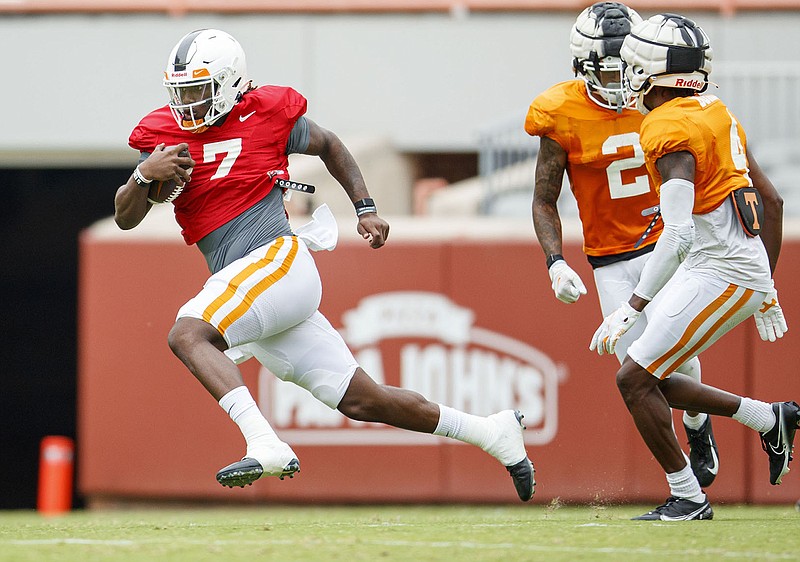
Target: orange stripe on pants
x=230 y=291
x=694 y=326
x=741 y=301
x=260 y=288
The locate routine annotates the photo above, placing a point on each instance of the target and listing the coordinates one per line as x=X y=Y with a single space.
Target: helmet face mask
x=206 y=75
x=669 y=51
x=192 y=103
x=605 y=82
x=595 y=41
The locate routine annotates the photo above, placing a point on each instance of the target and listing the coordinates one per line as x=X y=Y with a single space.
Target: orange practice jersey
x=605 y=165
x=703 y=126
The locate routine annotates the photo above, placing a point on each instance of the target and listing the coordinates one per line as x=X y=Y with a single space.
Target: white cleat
x=282 y=463
x=509 y=448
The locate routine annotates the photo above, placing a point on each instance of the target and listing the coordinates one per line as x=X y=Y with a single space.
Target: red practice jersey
x=605 y=166
x=237 y=163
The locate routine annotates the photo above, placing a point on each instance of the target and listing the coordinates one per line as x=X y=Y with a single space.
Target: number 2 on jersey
x=231 y=148
x=641 y=184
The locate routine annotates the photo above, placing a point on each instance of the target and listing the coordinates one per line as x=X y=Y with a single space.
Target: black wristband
x=364 y=206
x=553 y=258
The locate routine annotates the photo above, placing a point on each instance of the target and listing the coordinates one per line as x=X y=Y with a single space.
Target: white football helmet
x=666 y=50
x=595 y=41
x=206 y=75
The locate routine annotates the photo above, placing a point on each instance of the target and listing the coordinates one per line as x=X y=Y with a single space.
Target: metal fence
x=764 y=97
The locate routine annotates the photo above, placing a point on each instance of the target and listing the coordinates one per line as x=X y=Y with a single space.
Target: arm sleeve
x=299 y=137
x=677 y=202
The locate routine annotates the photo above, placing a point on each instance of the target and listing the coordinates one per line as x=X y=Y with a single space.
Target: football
x=166 y=191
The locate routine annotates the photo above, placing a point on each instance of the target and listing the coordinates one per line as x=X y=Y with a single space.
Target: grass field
x=416 y=533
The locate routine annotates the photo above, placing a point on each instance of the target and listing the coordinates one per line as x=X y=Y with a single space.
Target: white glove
x=567 y=285
x=769 y=318
x=613 y=327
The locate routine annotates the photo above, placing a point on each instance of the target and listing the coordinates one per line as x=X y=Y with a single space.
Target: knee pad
x=691 y=368
x=311 y=355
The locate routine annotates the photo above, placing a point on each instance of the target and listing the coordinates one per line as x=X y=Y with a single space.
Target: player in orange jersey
x=714 y=202
x=590 y=129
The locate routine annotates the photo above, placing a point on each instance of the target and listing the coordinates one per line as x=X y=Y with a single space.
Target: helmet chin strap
x=643 y=109
x=620 y=103
x=614 y=100
x=189 y=124
x=203 y=123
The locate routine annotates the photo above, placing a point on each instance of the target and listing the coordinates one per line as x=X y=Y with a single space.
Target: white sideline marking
x=71 y=541
x=421 y=544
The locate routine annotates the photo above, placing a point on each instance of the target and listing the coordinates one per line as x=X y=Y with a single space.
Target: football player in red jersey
x=710 y=267
x=590 y=130
x=264 y=291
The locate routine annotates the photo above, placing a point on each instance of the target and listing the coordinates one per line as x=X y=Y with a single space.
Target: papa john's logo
x=424 y=342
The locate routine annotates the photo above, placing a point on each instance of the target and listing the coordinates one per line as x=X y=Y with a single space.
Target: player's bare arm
x=772 y=230
x=551 y=163
x=676 y=165
x=163 y=164
x=550 y=166
x=343 y=167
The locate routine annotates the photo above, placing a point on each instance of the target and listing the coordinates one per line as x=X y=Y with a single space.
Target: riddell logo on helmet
x=693 y=83
x=179 y=74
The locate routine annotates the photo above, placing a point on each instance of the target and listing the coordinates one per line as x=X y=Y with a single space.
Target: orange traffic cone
x=56 y=461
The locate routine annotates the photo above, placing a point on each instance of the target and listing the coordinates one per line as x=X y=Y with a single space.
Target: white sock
x=755 y=415
x=475 y=430
x=694 y=422
x=683 y=484
x=243 y=410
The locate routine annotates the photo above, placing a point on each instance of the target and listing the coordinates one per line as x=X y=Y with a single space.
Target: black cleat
x=246 y=471
x=522 y=475
x=778 y=441
x=679 y=509
x=703 y=453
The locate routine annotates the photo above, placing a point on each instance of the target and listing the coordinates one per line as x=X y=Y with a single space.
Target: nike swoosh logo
x=780 y=449
x=244 y=118
x=715 y=467
x=776 y=450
